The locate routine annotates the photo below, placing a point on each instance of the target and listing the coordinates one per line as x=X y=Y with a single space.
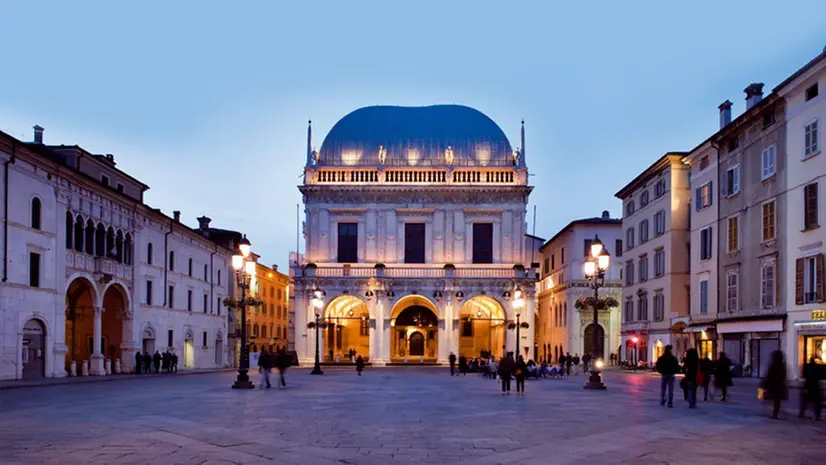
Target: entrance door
x=34 y=350
x=417 y=344
x=219 y=350
x=149 y=345
x=599 y=351
x=189 y=354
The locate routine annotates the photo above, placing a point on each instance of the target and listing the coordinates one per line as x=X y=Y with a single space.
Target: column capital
x=99 y=310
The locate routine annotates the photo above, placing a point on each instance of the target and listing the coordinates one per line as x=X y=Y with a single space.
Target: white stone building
x=561 y=327
x=415 y=238
x=91 y=274
x=805 y=302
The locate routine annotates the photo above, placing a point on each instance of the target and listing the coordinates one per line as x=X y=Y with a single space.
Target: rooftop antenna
x=297 y=234
x=309 y=142
x=533 y=248
x=522 y=153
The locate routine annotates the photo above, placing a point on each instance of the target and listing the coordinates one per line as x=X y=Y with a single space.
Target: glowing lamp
x=250 y=268
x=237 y=262
x=244 y=245
x=635 y=339
x=603 y=260
x=596 y=247
x=590 y=268
x=599 y=364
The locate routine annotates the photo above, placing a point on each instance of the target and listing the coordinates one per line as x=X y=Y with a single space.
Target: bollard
x=84 y=370
x=117 y=366
x=72 y=368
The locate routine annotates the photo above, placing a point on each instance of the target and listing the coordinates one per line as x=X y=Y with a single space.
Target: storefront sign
x=819 y=314
x=810 y=326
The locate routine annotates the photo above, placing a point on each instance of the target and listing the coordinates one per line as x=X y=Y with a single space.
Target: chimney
x=605 y=214
x=176 y=215
x=275 y=268
x=38 y=134
x=725 y=113
x=203 y=223
x=754 y=93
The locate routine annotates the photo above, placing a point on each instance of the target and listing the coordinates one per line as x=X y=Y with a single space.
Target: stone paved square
x=389 y=416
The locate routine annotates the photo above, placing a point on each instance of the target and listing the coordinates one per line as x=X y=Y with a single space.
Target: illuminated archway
x=482 y=328
x=414 y=327
x=116 y=312
x=81 y=300
x=348 y=320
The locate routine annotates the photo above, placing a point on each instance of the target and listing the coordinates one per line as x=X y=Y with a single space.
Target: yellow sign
x=819 y=314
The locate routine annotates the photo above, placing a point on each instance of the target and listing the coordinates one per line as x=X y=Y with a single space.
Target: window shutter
x=698 y=193
x=821 y=297
x=798 y=281
x=710 y=192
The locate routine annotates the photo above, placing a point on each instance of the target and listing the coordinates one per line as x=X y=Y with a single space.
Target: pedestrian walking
x=463 y=365
x=774 y=383
x=706 y=371
x=157 y=360
x=519 y=372
x=147 y=362
x=667 y=367
x=575 y=362
x=264 y=367
x=722 y=375
x=359 y=365
x=586 y=359
x=282 y=362
x=692 y=368
x=165 y=361
x=505 y=371
x=452 y=360
x=492 y=368
x=811 y=393
x=174 y=362
x=138 y=362
x=568 y=362
x=331 y=355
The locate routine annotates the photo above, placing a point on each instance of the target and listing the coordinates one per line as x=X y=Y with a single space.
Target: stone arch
x=349 y=321
x=115 y=321
x=482 y=327
x=100 y=240
x=34 y=348
x=36 y=212
x=410 y=300
x=402 y=327
x=120 y=287
x=80 y=222
x=588 y=341
x=82 y=297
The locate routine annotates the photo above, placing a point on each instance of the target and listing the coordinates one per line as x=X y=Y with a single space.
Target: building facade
x=805 y=297
x=415 y=238
x=561 y=328
x=656 y=271
x=267 y=324
x=92 y=274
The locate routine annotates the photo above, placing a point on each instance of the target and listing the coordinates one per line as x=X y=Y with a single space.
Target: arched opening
x=219 y=349
x=78 y=234
x=189 y=350
x=80 y=317
x=111 y=252
x=70 y=229
x=599 y=350
x=100 y=240
x=36 y=209
x=128 y=250
x=115 y=311
x=148 y=340
x=414 y=317
x=90 y=237
x=482 y=328
x=189 y=270
x=34 y=349
x=119 y=246
x=348 y=329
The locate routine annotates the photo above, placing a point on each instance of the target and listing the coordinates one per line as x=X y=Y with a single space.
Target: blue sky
x=208 y=102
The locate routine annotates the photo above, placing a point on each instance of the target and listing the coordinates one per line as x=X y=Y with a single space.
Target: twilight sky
x=207 y=102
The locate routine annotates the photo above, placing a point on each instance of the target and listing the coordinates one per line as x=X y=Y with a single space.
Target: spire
x=522 y=155
x=309 y=142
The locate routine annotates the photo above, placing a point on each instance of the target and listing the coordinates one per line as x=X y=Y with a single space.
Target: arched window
x=36 y=207
x=171 y=260
x=111 y=251
x=127 y=250
x=149 y=253
x=190 y=267
x=206 y=272
x=90 y=237
x=70 y=228
x=219 y=277
x=100 y=240
x=79 y=233
x=119 y=246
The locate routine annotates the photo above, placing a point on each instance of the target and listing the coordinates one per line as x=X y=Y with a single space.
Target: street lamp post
x=595 y=268
x=244 y=270
x=318 y=303
x=518 y=304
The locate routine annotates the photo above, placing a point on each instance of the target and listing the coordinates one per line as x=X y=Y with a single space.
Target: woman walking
x=505 y=371
x=775 y=382
x=722 y=375
x=519 y=373
x=359 y=365
x=692 y=367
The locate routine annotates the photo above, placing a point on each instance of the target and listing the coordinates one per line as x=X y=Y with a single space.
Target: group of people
x=699 y=372
x=269 y=360
x=166 y=362
x=506 y=369
x=352 y=354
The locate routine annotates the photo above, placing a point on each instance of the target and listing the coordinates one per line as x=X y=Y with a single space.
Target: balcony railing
x=416 y=271
x=99 y=265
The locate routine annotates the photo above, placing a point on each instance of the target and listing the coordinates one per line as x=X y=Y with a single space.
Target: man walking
x=667 y=367
x=264 y=367
x=506 y=365
x=157 y=360
x=452 y=360
x=282 y=362
x=575 y=361
x=568 y=362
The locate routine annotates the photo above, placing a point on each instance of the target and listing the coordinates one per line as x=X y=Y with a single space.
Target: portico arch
x=81 y=301
x=348 y=327
x=414 y=326
x=115 y=314
x=482 y=327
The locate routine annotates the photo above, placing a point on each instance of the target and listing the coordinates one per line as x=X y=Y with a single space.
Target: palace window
x=34 y=269
x=189 y=300
x=171 y=296
x=190 y=268
x=811 y=92
x=618 y=247
x=149 y=253
x=643 y=266
x=629 y=273
x=811 y=143
x=659 y=223
x=705 y=243
x=629 y=239
x=149 y=293
x=644 y=198
x=659 y=306
x=768 y=220
x=206 y=303
x=732 y=181
x=769 y=162
x=768 y=283
x=809 y=280
x=629 y=309
x=348 y=242
x=659 y=263
x=643 y=231
x=171 y=260
x=36 y=207
x=732 y=290
x=733 y=234
x=587 y=247
x=642 y=307
x=704 y=296
x=482 y=242
x=414 y=243
x=810 y=213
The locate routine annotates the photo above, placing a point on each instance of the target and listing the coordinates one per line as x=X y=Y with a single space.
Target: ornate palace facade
x=415 y=238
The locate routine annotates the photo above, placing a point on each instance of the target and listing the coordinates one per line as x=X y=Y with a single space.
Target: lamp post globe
x=595 y=268
x=244 y=270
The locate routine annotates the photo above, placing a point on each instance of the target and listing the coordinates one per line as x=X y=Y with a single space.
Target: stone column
x=530 y=333
x=96 y=362
x=444 y=331
x=386 y=333
x=373 y=329
x=381 y=351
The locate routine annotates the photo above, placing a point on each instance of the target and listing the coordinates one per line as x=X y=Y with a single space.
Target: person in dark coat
x=157 y=359
x=722 y=375
x=463 y=365
x=147 y=362
x=506 y=366
x=138 y=362
x=667 y=367
x=811 y=392
x=586 y=359
x=519 y=372
x=264 y=366
x=282 y=362
x=568 y=362
x=706 y=371
x=359 y=365
x=165 y=362
x=174 y=361
x=452 y=360
x=692 y=368
x=575 y=363
x=775 y=382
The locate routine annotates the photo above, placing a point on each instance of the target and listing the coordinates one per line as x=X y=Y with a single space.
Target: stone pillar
x=444 y=331
x=96 y=361
x=530 y=317
x=380 y=352
x=371 y=305
x=386 y=333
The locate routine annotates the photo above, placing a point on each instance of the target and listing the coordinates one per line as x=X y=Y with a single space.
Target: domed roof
x=436 y=135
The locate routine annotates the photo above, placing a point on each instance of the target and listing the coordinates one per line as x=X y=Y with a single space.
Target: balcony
x=101 y=266
x=635 y=326
x=467 y=271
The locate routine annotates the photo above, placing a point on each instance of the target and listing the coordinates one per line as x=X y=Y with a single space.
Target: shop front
x=749 y=342
x=810 y=335
x=704 y=339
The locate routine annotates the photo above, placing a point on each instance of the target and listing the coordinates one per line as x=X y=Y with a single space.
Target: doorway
x=34 y=350
x=417 y=344
x=219 y=349
x=189 y=354
x=599 y=350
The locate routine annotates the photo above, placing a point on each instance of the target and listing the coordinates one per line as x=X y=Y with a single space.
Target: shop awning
x=755 y=326
x=698 y=328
